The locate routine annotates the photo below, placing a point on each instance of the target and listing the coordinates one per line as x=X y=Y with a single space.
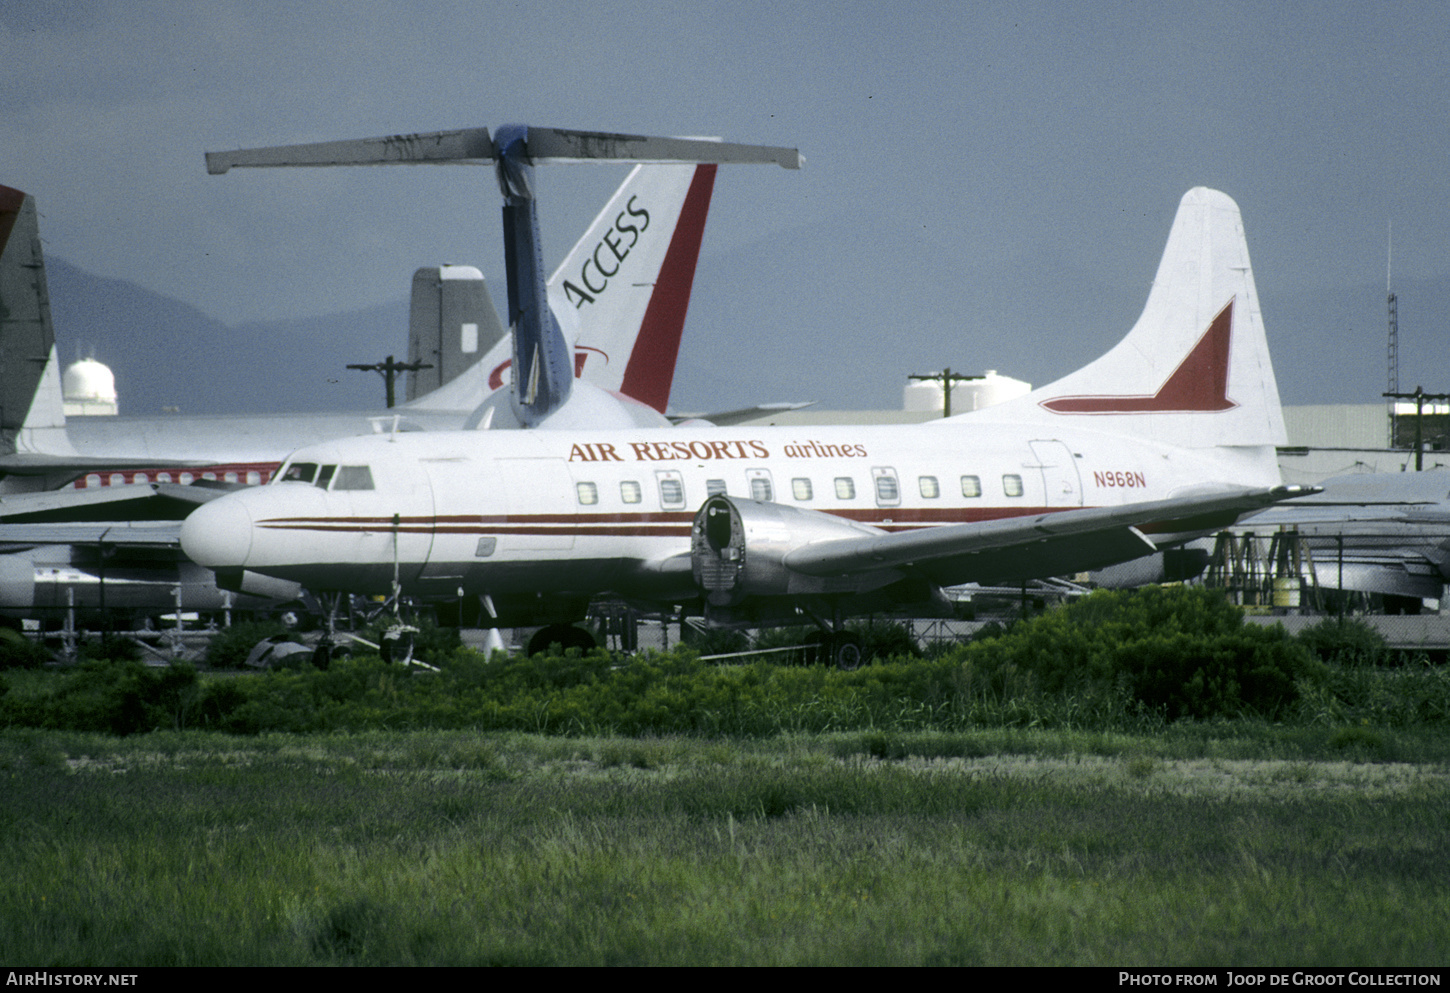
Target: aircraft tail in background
x=1194 y=371
x=452 y=324
x=32 y=413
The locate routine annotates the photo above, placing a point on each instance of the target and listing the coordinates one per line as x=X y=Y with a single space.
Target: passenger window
x=230 y=477
x=845 y=488
x=672 y=490
x=714 y=487
x=800 y=489
x=254 y=477
x=93 y=480
x=629 y=491
x=187 y=478
x=760 y=486
x=588 y=493
x=300 y=472
x=324 y=476
x=929 y=488
x=209 y=475
x=163 y=477
x=140 y=477
x=1012 y=485
x=971 y=486
x=888 y=490
x=117 y=479
x=354 y=477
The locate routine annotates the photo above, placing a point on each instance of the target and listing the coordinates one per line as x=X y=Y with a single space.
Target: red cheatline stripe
x=617 y=525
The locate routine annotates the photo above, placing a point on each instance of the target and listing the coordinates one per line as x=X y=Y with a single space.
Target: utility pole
x=946 y=377
x=1419 y=396
x=389 y=371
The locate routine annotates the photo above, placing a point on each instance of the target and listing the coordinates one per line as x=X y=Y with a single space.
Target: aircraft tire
x=846 y=652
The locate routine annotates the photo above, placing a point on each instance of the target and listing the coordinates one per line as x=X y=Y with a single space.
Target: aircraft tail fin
x=628 y=280
x=452 y=324
x=622 y=292
x=32 y=412
x=1194 y=371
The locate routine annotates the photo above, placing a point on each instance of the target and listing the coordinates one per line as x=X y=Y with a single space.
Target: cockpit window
x=324 y=476
x=300 y=472
x=353 y=477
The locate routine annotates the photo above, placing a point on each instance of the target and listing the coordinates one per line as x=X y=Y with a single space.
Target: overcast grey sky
x=988 y=185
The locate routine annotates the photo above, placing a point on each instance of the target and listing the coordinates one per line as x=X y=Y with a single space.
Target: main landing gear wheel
x=846 y=653
x=839 y=650
x=566 y=636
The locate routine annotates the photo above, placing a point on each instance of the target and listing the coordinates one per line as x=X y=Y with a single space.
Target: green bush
x=715 y=641
x=122 y=696
x=1346 y=641
x=19 y=652
x=1111 y=660
x=1182 y=651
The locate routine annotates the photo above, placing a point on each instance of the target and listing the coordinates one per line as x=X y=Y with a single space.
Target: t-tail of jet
x=1194 y=372
x=543 y=360
x=32 y=414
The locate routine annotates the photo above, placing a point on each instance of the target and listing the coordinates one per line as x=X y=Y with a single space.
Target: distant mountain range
x=802 y=333
x=166 y=353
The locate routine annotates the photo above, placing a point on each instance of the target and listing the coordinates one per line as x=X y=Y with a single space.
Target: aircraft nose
x=218 y=534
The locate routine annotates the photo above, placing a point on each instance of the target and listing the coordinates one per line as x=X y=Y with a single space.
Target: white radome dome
x=89 y=388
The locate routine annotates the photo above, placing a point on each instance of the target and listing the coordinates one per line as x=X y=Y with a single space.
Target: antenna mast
x=1394 y=343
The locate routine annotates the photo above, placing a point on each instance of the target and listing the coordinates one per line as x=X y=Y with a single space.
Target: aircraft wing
x=1031 y=547
x=37 y=464
x=728 y=418
x=139 y=534
x=135 y=501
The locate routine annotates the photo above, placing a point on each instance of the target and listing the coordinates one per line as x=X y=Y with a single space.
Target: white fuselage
x=589 y=512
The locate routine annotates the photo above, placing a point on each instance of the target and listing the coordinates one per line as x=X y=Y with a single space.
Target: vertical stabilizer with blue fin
x=543 y=360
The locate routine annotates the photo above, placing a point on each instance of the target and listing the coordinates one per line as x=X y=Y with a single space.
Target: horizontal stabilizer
x=474 y=146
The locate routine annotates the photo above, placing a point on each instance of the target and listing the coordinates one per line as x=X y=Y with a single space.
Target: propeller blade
x=469 y=146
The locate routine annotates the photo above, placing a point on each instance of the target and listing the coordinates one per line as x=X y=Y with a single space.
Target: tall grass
x=1009 y=847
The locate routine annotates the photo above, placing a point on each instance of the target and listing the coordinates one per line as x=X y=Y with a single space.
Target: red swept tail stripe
x=1198 y=385
x=651 y=369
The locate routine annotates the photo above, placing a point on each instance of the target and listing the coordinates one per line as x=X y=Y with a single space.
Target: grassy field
x=1233 y=843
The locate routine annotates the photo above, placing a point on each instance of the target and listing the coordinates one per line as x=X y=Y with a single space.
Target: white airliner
x=1168 y=436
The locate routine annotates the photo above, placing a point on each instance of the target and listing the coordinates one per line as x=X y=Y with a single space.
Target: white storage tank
x=89 y=389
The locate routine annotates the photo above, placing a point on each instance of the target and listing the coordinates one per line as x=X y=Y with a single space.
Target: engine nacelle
x=738 y=550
